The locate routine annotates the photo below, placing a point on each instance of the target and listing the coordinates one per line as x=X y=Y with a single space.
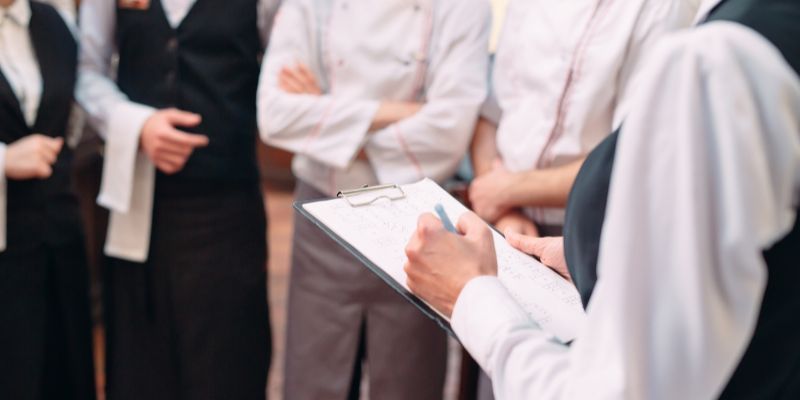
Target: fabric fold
x=128 y=184
x=3 y=194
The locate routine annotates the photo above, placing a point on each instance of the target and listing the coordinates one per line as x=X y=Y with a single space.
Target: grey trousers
x=336 y=306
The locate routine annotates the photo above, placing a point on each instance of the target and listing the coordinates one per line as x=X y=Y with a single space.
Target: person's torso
x=557 y=73
x=770 y=368
x=43 y=209
x=369 y=50
x=208 y=64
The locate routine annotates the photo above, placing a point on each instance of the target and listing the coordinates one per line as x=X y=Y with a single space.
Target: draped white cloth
x=706 y=177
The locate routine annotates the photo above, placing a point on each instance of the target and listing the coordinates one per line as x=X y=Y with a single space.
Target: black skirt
x=45 y=327
x=192 y=322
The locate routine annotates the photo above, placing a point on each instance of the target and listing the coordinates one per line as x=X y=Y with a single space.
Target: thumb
x=53 y=144
x=58 y=144
x=183 y=118
x=527 y=244
x=428 y=225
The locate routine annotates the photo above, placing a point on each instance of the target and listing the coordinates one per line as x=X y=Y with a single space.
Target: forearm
x=544 y=187
x=484 y=146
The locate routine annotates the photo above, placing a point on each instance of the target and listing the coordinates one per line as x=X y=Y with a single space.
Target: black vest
x=770 y=367
x=208 y=65
x=43 y=210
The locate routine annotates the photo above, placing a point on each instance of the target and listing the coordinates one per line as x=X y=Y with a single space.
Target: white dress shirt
x=562 y=72
x=706 y=176
x=20 y=68
x=128 y=181
x=364 y=52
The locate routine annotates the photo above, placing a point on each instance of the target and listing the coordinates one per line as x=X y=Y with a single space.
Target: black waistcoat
x=770 y=368
x=43 y=210
x=209 y=65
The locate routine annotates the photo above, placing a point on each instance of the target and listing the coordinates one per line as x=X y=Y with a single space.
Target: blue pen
x=445 y=219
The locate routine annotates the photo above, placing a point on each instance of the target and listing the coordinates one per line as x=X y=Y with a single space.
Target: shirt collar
x=19 y=12
x=706 y=6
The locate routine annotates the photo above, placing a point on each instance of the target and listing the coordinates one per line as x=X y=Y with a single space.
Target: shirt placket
x=16 y=79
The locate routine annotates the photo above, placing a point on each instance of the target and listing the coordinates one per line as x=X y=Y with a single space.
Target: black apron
x=770 y=368
x=45 y=326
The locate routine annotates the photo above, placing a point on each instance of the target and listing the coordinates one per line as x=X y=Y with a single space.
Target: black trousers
x=192 y=322
x=45 y=326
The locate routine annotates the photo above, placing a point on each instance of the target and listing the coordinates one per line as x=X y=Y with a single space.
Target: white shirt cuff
x=3 y=194
x=483 y=311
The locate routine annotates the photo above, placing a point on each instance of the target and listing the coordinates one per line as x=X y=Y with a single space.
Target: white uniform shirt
x=364 y=52
x=561 y=73
x=681 y=271
x=20 y=68
x=128 y=175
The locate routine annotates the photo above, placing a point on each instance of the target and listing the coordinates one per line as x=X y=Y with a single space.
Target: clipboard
x=374 y=223
x=391 y=192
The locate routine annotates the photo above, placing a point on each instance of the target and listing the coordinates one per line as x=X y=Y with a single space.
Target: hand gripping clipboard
x=375 y=224
x=365 y=197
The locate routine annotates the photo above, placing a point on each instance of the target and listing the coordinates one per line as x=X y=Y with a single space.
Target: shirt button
x=172 y=45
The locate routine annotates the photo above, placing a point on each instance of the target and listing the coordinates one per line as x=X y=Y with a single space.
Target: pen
x=445 y=219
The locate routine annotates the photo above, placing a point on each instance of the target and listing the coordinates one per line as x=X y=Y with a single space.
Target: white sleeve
x=114 y=117
x=432 y=142
x=706 y=176
x=266 y=10
x=128 y=181
x=490 y=109
x=327 y=128
x=657 y=18
x=3 y=197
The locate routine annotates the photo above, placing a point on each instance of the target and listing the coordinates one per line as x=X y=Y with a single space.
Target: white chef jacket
x=706 y=176
x=364 y=52
x=561 y=74
x=20 y=68
x=128 y=181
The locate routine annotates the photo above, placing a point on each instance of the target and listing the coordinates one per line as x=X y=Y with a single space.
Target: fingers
x=289 y=83
x=182 y=118
x=47 y=148
x=471 y=225
x=294 y=82
x=169 y=165
x=428 y=224
x=44 y=170
x=528 y=244
x=183 y=139
x=298 y=80
x=308 y=77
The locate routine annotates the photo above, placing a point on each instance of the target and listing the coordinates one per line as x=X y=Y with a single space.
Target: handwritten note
x=381 y=230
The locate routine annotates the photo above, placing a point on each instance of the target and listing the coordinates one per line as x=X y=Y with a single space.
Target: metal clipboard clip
x=389 y=192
